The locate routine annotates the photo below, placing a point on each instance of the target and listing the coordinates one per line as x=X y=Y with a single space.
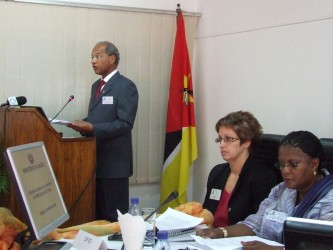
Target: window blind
x=45 y=56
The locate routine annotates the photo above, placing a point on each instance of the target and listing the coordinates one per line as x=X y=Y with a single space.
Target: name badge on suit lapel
x=107 y=100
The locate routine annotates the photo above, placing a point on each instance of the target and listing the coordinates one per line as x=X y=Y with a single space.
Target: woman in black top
x=235 y=189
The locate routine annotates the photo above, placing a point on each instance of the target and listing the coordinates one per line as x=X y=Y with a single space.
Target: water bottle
x=134 y=207
x=162 y=241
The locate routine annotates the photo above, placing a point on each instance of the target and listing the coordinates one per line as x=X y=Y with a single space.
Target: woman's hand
x=258 y=245
x=212 y=233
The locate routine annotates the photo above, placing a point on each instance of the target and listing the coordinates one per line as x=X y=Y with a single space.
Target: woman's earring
x=314 y=173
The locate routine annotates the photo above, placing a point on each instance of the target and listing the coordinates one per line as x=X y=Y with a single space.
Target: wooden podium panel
x=73 y=161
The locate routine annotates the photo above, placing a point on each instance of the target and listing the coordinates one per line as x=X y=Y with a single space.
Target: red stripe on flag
x=179 y=114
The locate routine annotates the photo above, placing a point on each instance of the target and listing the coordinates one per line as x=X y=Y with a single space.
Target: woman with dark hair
x=235 y=189
x=305 y=192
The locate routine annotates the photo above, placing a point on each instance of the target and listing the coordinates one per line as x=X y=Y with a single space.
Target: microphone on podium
x=69 y=100
x=15 y=101
x=171 y=197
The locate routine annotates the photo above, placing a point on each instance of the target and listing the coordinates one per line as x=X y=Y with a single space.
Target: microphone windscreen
x=171 y=197
x=174 y=194
x=16 y=101
x=21 y=100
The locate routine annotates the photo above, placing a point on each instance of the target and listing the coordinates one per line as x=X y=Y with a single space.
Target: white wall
x=186 y=5
x=272 y=58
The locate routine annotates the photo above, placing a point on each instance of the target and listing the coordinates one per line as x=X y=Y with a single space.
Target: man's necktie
x=100 y=86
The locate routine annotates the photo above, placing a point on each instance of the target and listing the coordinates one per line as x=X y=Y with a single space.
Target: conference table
x=117 y=245
x=176 y=244
x=228 y=243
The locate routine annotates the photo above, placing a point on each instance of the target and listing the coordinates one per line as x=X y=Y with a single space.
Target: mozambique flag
x=180 y=141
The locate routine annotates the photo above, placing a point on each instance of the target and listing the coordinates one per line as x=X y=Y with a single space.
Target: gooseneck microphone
x=15 y=101
x=171 y=197
x=69 y=100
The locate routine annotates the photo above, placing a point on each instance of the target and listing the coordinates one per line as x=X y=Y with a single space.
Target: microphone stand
x=171 y=197
x=60 y=110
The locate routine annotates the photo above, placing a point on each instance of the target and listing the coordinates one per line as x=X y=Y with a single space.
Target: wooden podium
x=72 y=159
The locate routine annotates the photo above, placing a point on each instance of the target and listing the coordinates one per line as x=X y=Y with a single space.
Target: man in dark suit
x=111 y=115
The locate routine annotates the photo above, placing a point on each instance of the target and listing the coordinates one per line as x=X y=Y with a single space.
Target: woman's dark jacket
x=253 y=186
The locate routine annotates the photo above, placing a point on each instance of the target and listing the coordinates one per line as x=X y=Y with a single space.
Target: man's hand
x=82 y=127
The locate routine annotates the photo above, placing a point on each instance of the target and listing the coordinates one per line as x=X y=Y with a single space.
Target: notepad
x=61 y=122
x=176 y=232
x=177 y=223
x=183 y=237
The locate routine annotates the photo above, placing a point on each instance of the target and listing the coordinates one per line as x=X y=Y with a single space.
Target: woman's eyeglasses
x=227 y=139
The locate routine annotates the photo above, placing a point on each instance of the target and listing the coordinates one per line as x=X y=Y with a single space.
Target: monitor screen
x=37 y=189
x=307 y=234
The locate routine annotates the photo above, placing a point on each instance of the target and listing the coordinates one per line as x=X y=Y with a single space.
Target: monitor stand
x=24 y=239
x=53 y=245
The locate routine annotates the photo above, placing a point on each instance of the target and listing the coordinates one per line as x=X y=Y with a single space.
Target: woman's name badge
x=215 y=194
x=276 y=216
x=107 y=100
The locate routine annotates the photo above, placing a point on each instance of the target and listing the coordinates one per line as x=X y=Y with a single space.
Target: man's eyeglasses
x=292 y=165
x=227 y=139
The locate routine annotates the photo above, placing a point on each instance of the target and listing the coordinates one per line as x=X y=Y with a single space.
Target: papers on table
x=61 y=122
x=233 y=243
x=182 y=238
x=173 y=219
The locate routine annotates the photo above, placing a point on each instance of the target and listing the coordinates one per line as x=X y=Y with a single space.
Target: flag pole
x=178 y=9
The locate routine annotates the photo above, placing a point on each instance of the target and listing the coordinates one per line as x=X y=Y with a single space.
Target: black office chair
x=328 y=152
x=267 y=152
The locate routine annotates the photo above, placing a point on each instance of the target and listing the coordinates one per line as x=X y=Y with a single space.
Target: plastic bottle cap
x=135 y=200
x=162 y=235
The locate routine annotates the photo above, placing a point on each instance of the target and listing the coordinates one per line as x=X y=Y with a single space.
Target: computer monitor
x=37 y=190
x=305 y=234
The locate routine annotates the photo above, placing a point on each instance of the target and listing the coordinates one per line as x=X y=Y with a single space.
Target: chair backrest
x=328 y=152
x=267 y=152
